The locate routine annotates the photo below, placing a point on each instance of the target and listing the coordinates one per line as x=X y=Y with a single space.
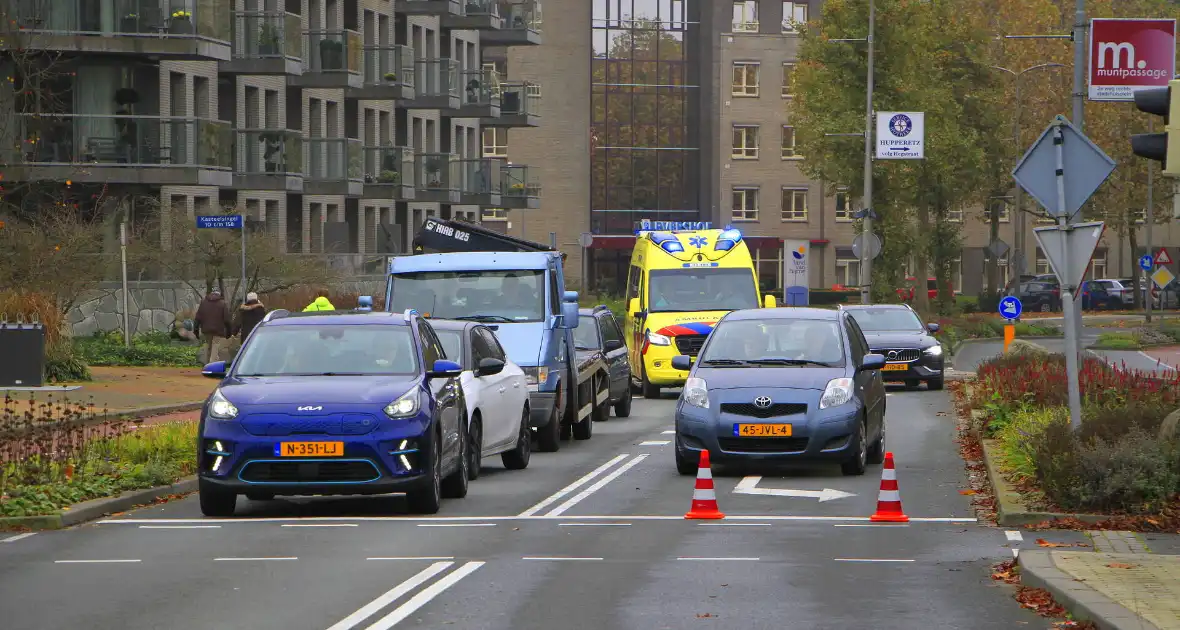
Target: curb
x=1038 y=570
x=1010 y=509
x=963 y=342
x=158 y=410
x=97 y=508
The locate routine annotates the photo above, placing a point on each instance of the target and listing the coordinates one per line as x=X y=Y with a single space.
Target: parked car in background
x=912 y=354
x=1037 y=295
x=1121 y=295
x=907 y=292
x=599 y=331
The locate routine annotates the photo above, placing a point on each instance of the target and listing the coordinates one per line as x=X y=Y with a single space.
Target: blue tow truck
x=462 y=271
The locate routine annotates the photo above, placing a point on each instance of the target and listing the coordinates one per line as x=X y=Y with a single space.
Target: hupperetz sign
x=901 y=135
x=1131 y=54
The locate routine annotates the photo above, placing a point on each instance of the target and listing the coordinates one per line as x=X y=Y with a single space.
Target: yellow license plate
x=896 y=367
x=763 y=430
x=310 y=449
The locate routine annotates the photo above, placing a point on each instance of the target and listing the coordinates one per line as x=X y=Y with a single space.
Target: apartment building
x=336 y=125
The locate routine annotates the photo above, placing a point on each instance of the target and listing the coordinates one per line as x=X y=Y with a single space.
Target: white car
x=496 y=391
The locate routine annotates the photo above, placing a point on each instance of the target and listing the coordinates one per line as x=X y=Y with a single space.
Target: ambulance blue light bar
x=728 y=240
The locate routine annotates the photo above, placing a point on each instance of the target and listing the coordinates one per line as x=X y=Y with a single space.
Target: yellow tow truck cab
x=679 y=284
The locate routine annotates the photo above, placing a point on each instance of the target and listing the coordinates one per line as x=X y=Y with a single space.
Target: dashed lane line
x=872 y=560
x=594 y=524
x=119 y=561
x=411 y=558
x=255 y=559
x=548 y=517
x=182 y=526
x=656 y=443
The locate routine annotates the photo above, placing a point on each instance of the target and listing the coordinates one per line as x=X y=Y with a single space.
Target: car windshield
x=586 y=334
x=452 y=343
x=775 y=342
x=330 y=349
x=488 y=296
x=886 y=319
x=695 y=289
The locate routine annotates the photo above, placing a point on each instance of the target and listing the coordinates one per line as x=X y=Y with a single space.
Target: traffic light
x=1161 y=147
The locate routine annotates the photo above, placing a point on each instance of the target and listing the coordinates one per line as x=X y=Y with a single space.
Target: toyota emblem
x=762 y=402
x=892 y=354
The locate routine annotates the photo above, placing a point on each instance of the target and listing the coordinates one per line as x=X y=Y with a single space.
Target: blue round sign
x=1010 y=307
x=1145 y=262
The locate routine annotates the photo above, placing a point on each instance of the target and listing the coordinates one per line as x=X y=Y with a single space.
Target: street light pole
x=866 y=258
x=1079 y=64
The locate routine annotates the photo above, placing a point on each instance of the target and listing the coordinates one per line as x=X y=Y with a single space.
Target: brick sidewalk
x=123 y=390
x=1146 y=584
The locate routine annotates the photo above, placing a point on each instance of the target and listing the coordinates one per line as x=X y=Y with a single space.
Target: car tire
x=912 y=383
x=623 y=407
x=427 y=499
x=876 y=453
x=602 y=410
x=260 y=496
x=216 y=501
x=856 y=465
x=583 y=429
x=518 y=458
x=549 y=436
x=455 y=485
x=934 y=384
x=649 y=391
x=474 y=448
x=685 y=464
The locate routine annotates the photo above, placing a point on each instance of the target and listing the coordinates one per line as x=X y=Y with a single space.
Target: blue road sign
x=219 y=221
x=1010 y=307
x=1145 y=262
x=1084 y=167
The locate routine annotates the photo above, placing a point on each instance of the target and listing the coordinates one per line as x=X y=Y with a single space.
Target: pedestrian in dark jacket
x=250 y=315
x=215 y=322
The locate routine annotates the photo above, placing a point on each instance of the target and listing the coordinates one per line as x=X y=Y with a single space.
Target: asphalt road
x=972 y=353
x=590 y=537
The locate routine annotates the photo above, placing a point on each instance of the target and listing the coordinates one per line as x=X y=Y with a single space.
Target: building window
x=495 y=142
x=789 y=142
x=1098 y=266
x=794 y=16
x=954 y=216
x=745 y=203
x=957 y=274
x=788 y=78
x=494 y=214
x=794 y=204
x=1141 y=216
x=745 y=142
x=1002 y=264
x=745 y=78
x=745 y=16
x=1005 y=214
x=1042 y=265
x=843 y=206
x=848 y=272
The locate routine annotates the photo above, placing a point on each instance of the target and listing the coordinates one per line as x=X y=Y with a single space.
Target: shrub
x=820 y=297
x=1118 y=341
x=1018 y=437
x=1114 y=421
x=147 y=349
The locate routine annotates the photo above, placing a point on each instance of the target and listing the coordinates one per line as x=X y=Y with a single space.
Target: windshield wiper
x=584 y=348
x=723 y=362
x=486 y=318
x=789 y=362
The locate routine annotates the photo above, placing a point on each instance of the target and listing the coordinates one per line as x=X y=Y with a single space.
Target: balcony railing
x=520 y=98
x=745 y=26
x=333 y=51
x=480 y=87
x=389 y=165
x=269 y=152
x=117 y=140
x=389 y=64
x=519 y=182
x=480 y=176
x=437 y=77
x=476 y=8
x=436 y=171
x=333 y=159
x=149 y=18
x=521 y=15
x=265 y=35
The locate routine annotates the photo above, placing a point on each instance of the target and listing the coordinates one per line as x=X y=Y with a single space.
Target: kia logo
x=762 y=402
x=310 y=408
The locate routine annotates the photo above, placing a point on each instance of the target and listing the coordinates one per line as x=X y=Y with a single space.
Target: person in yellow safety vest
x=321 y=302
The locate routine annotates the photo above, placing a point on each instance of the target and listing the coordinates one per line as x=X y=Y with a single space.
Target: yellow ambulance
x=679 y=284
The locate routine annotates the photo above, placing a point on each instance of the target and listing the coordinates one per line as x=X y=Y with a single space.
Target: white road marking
x=182 y=526
x=459 y=519
x=734 y=524
x=456 y=524
x=1157 y=361
x=553 y=498
x=871 y=560
x=594 y=524
x=1014 y=535
x=723 y=559
x=423 y=597
x=254 y=559
x=411 y=558
x=556 y=558
x=388 y=597
x=318 y=525
x=1016 y=553
x=92 y=561
x=872 y=525
x=600 y=484
x=749 y=485
x=18 y=537
x=656 y=443
x=668 y=433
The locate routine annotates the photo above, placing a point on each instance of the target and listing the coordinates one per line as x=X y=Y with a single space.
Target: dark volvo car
x=911 y=352
x=782 y=385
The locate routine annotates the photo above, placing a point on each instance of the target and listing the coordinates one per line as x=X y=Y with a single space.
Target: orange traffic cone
x=889 y=499
x=704 y=500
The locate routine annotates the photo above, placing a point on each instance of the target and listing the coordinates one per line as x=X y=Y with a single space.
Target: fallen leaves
x=967 y=492
x=707 y=616
x=1054 y=545
x=1039 y=601
x=1006 y=572
x=1121 y=565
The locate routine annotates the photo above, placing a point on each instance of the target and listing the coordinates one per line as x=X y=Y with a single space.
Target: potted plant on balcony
x=517 y=189
x=389 y=177
x=129 y=23
x=182 y=23
x=434 y=167
x=270 y=40
x=331 y=54
x=390 y=76
x=210 y=151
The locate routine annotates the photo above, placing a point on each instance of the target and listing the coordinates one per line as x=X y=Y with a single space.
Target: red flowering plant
x=1040 y=380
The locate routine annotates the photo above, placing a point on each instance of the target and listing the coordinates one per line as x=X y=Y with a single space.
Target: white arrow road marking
x=749 y=485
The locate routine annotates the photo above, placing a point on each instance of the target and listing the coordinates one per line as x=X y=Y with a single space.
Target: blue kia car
x=334 y=403
x=782 y=385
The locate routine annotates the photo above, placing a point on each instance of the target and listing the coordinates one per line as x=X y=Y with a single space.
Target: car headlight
x=657 y=339
x=696 y=393
x=536 y=375
x=838 y=392
x=220 y=408
x=404 y=407
x=934 y=351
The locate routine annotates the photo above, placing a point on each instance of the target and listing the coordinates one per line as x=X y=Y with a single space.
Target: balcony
x=520 y=106
x=481 y=95
x=269 y=159
x=150 y=150
x=480 y=181
x=333 y=166
x=478 y=15
x=164 y=29
x=521 y=25
x=332 y=60
x=520 y=190
x=389 y=173
x=438 y=178
x=388 y=74
x=266 y=43
x=436 y=85
x=745 y=26
x=440 y=8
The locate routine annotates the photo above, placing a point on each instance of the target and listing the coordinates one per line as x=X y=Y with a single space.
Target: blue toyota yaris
x=783 y=385
x=334 y=403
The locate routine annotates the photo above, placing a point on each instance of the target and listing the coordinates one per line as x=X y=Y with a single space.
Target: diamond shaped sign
x=1162 y=277
x=1084 y=167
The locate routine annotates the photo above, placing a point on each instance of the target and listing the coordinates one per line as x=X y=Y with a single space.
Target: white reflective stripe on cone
x=888 y=474
x=703 y=495
x=704 y=473
x=892 y=496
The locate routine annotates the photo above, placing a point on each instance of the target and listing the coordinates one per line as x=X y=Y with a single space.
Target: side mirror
x=216 y=369
x=682 y=362
x=612 y=344
x=633 y=307
x=771 y=301
x=569 y=314
x=932 y=327
x=444 y=369
x=872 y=362
x=489 y=366
x=569 y=297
